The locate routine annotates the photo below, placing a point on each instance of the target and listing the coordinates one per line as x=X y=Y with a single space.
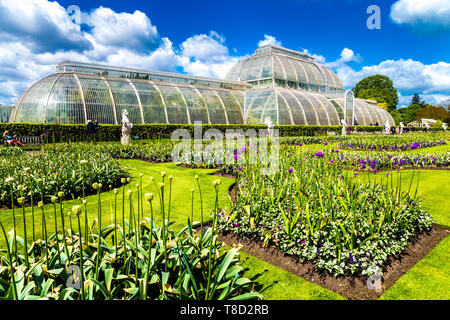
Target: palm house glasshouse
x=287 y=86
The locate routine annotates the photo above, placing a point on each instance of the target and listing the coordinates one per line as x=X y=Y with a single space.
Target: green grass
x=183 y=181
x=433 y=189
x=429 y=279
x=277 y=284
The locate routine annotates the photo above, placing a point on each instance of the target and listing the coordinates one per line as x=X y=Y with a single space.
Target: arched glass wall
x=295 y=107
x=75 y=98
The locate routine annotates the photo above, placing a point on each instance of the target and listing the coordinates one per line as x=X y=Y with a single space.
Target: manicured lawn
x=428 y=279
x=183 y=181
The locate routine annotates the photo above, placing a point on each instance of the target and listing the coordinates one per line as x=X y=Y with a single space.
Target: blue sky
x=208 y=37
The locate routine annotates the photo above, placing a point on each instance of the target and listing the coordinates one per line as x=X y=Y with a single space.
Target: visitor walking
x=92 y=129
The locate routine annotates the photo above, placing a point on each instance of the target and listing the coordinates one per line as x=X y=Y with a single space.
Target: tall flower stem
x=81 y=259
x=56 y=234
x=11 y=263
x=25 y=239
x=212 y=243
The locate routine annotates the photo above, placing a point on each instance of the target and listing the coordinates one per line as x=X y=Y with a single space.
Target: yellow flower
x=60 y=194
x=116 y=191
x=21 y=200
x=123 y=180
x=40 y=204
x=54 y=199
x=129 y=193
x=163 y=174
x=161 y=185
x=148 y=196
x=76 y=210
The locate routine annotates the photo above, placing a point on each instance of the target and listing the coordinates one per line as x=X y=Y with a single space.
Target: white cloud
x=423 y=16
x=36 y=35
x=268 y=39
x=42 y=25
x=133 y=31
x=205 y=47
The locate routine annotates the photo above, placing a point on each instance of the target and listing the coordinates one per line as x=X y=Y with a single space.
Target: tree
x=432 y=112
x=416 y=100
x=409 y=113
x=396 y=116
x=379 y=88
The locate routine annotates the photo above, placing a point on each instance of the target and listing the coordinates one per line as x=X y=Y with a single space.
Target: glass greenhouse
x=5 y=113
x=287 y=86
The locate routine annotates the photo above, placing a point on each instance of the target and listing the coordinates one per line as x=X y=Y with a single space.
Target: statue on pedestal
x=387 y=128
x=270 y=126
x=402 y=127
x=444 y=126
x=126 y=129
x=344 y=127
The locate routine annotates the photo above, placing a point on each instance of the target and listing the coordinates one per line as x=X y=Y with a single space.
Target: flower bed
x=323 y=216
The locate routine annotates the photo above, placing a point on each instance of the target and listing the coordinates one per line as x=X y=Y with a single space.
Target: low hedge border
x=107 y=132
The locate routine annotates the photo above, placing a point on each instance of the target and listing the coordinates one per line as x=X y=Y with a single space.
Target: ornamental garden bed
x=352 y=287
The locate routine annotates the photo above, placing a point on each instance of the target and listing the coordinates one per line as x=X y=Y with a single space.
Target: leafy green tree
x=432 y=112
x=409 y=113
x=378 y=87
x=416 y=100
x=397 y=116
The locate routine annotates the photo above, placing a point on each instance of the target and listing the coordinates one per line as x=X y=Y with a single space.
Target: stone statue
x=402 y=126
x=126 y=129
x=344 y=127
x=387 y=128
x=270 y=126
x=444 y=126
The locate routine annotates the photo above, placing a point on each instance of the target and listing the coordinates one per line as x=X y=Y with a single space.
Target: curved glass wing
x=99 y=105
x=215 y=108
x=125 y=99
x=175 y=105
x=32 y=107
x=151 y=100
x=196 y=105
x=65 y=104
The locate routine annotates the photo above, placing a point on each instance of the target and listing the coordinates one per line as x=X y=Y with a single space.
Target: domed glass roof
x=287 y=67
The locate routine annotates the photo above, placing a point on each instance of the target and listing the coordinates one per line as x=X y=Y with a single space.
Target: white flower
x=9 y=180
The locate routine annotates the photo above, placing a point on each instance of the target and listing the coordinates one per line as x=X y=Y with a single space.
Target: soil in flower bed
x=350 y=287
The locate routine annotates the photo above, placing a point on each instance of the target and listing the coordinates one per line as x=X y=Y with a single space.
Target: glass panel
x=176 y=108
x=196 y=105
x=215 y=109
x=232 y=107
x=300 y=71
x=65 y=104
x=98 y=100
x=309 y=107
x=284 y=116
x=266 y=70
x=255 y=69
x=242 y=75
x=278 y=71
x=361 y=115
x=339 y=110
x=152 y=104
x=125 y=98
x=319 y=108
x=32 y=106
x=331 y=111
x=349 y=101
x=261 y=104
x=313 y=74
x=289 y=69
x=298 y=113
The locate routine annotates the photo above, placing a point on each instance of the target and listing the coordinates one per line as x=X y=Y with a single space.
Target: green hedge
x=106 y=132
